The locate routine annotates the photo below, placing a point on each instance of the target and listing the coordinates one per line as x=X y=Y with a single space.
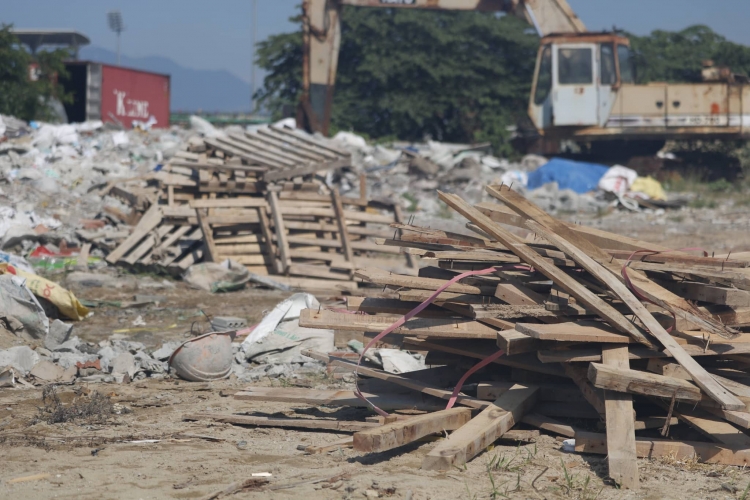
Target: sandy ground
x=101 y=460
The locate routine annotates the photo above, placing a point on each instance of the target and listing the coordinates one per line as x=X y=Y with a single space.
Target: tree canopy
x=21 y=96
x=455 y=76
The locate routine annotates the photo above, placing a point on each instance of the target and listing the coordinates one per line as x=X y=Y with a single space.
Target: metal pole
x=252 y=61
x=118 y=48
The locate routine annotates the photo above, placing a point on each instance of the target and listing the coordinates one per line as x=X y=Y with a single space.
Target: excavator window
x=575 y=66
x=607 y=73
x=627 y=73
x=544 y=79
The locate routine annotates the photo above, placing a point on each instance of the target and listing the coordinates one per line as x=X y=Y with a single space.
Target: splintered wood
x=595 y=328
x=261 y=200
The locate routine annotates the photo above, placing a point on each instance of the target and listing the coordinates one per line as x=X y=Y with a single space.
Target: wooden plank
x=623 y=467
x=579 y=331
x=636 y=382
x=713 y=427
x=430 y=327
x=699 y=374
x=383 y=278
x=598 y=237
x=398 y=217
x=638 y=352
x=403 y=432
x=82 y=261
x=346 y=241
x=591 y=253
x=340 y=398
x=515 y=293
x=314 y=271
x=548 y=424
x=286 y=423
x=491 y=423
x=210 y=254
x=303 y=170
x=268 y=243
x=148 y=243
x=373 y=305
x=242 y=202
x=281 y=240
x=570 y=285
x=589 y=442
x=713 y=294
x=148 y=222
x=515 y=342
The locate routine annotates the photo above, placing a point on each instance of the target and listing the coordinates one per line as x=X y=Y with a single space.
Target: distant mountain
x=192 y=89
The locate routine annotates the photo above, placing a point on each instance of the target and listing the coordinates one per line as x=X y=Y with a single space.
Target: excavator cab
x=576 y=79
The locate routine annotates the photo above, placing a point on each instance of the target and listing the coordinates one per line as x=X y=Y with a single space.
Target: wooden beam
x=570 y=285
x=701 y=377
x=593 y=396
x=619 y=379
x=579 y=331
x=713 y=294
x=589 y=442
x=548 y=424
x=471 y=439
x=623 y=467
x=403 y=432
x=429 y=327
x=210 y=254
x=278 y=222
x=380 y=277
x=287 y=423
x=148 y=222
x=346 y=241
x=340 y=398
x=515 y=342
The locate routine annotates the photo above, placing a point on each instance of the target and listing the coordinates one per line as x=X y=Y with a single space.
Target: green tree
x=19 y=95
x=676 y=56
x=455 y=76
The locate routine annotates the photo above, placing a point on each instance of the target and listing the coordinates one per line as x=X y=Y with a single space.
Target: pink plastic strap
x=481 y=364
x=413 y=313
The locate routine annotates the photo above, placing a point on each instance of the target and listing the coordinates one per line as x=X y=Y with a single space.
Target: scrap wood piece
x=639 y=352
x=710 y=425
x=570 y=285
x=713 y=294
x=739 y=278
x=515 y=293
x=591 y=253
x=463 y=348
x=148 y=223
x=341 y=443
x=340 y=398
x=292 y=423
x=409 y=383
x=614 y=378
x=430 y=327
x=481 y=431
x=678 y=258
x=548 y=424
x=515 y=342
x=281 y=238
x=620 y=417
x=403 y=432
x=343 y=232
x=701 y=377
x=254 y=483
x=598 y=237
x=383 y=278
x=710 y=453
x=374 y=305
x=579 y=331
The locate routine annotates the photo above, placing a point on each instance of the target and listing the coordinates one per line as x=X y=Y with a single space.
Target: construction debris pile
x=573 y=326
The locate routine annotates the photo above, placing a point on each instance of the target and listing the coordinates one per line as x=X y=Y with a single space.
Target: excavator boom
x=322 y=38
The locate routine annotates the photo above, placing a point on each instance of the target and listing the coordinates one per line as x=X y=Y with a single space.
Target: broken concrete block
x=59 y=332
x=21 y=358
x=166 y=350
x=123 y=363
x=47 y=372
x=70 y=345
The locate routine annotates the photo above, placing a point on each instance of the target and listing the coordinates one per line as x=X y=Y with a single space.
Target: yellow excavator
x=584 y=86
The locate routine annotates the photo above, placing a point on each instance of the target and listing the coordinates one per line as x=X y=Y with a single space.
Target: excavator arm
x=322 y=38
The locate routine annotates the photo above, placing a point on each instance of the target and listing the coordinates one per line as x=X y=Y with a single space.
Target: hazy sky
x=216 y=34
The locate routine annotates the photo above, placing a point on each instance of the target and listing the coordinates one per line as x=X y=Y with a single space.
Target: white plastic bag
x=618 y=179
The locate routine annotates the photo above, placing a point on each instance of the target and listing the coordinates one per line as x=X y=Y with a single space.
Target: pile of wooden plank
x=594 y=328
x=260 y=199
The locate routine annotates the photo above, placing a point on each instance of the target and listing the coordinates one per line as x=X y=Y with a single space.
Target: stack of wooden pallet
x=593 y=327
x=259 y=199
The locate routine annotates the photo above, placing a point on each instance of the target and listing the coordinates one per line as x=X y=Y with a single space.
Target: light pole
x=252 y=61
x=114 y=18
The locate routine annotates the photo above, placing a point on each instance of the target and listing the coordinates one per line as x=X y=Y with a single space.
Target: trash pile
x=572 y=326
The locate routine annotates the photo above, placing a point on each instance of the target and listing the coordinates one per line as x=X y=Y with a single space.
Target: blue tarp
x=578 y=176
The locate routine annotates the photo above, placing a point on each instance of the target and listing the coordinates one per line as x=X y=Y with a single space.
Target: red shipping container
x=113 y=93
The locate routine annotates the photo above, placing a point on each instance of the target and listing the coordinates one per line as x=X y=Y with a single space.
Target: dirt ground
x=147 y=451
